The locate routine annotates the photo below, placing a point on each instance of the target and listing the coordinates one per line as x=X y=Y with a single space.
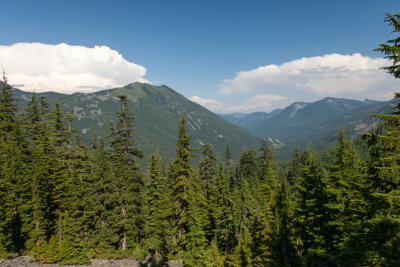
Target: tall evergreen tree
x=284 y=239
x=126 y=212
x=345 y=195
x=207 y=174
x=224 y=209
x=384 y=167
x=266 y=191
x=311 y=213
x=10 y=167
x=187 y=204
x=156 y=223
x=229 y=167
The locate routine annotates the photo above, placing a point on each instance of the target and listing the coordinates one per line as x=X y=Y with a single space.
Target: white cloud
x=348 y=76
x=208 y=103
x=252 y=104
x=66 y=68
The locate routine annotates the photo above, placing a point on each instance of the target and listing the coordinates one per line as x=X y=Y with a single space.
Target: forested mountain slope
x=156 y=111
x=315 y=124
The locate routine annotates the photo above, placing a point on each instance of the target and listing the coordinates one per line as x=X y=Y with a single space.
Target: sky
x=227 y=55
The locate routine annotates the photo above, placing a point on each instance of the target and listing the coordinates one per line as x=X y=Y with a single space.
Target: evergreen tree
x=194 y=242
x=311 y=214
x=207 y=169
x=10 y=167
x=42 y=166
x=229 y=168
x=383 y=233
x=265 y=191
x=284 y=245
x=207 y=179
x=187 y=205
x=224 y=209
x=126 y=211
x=345 y=192
x=156 y=225
x=101 y=198
x=247 y=184
x=242 y=255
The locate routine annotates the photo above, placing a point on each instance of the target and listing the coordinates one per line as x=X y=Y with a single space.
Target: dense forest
x=64 y=202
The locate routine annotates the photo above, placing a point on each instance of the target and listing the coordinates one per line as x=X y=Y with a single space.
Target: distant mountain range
x=249 y=121
x=312 y=124
x=157 y=110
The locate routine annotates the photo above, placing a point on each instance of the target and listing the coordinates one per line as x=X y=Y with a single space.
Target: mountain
x=301 y=121
x=249 y=121
x=156 y=110
x=315 y=124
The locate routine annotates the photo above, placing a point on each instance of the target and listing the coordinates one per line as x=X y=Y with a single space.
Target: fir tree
x=284 y=238
x=311 y=213
x=156 y=225
x=224 y=209
x=384 y=225
x=187 y=204
x=9 y=170
x=102 y=201
x=229 y=168
x=345 y=192
x=128 y=182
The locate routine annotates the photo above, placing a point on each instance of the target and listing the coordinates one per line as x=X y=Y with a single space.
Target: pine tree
x=266 y=190
x=311 y=213
x=207 y=169
x=242 y=255
x=345 y=195
x=195 y=245
x=10 y=167
x=384 y=172
x=101 y=197
x=247 y=184
x=128 y=182
x=207 y=175
x=156 y=224
x=224 y=209
x=46 y=169
x=229 y=167
x=187 y=204
x=71 y=227
x=284 y=238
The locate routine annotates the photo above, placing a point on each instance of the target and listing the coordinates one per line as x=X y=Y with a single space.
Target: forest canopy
x=65 y=202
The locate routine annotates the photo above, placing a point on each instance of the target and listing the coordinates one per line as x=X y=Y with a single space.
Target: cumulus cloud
x=209 y=103
x=256 y=103
x=66 y=68
x=348 y=76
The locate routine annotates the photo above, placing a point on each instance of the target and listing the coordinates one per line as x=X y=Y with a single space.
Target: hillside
x=249 y=121
x=314 y=124
x=156 y=110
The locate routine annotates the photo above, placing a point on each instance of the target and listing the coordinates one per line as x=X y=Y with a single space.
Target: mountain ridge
x=156 y=111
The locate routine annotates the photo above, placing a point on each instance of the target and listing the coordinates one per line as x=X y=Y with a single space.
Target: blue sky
x=199 y=48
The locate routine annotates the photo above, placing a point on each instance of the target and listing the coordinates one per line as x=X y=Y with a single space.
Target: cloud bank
x=65 y=68
x=348 y=76
x=252 y=104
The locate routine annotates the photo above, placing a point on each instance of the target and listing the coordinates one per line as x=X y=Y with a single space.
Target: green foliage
x=155 y=223
x=311 y=214
x=157 y=110
x=188 y=210
x=392 y=47
x=346 y=189
x=383 y=223
x=194 y=242
x=65 y=203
